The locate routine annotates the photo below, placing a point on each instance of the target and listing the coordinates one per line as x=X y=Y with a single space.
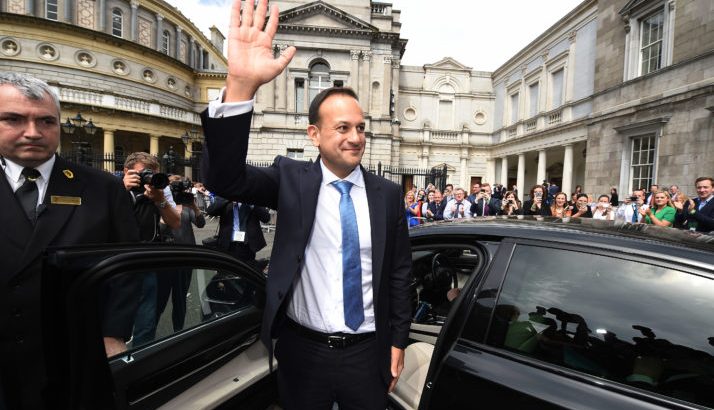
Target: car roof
x=669 y=241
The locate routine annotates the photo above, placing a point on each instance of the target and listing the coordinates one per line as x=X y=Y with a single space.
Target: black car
x=509 y=313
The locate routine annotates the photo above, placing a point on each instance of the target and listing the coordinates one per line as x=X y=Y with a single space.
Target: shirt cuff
x=218 y=109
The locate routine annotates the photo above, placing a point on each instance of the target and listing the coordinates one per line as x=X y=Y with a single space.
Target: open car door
x=190 y=318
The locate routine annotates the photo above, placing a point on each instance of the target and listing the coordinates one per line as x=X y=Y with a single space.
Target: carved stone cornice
x=355 y=54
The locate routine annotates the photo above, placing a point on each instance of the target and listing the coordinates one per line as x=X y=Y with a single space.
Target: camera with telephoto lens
x=147 y=176
x=181 y=190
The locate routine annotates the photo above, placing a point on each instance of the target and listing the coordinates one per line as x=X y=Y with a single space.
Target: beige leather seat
x=417 y=357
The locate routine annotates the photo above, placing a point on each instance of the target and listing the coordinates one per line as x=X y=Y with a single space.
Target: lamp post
x=169 y=159
x=192 y=158
x=81 y=150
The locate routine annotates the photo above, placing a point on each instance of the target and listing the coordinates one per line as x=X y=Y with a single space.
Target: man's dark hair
x=451 y=185
x=700 y=179
x=313 y=114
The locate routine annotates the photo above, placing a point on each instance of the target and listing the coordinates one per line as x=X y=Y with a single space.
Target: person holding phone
x=603 y=210
x=581 y=208
x=510 y=204
x=536 y=204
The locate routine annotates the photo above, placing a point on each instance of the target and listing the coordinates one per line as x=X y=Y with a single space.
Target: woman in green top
x=661 y=213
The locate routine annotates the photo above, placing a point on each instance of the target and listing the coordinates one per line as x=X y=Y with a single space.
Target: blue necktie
x=351 y=262
x=634 y=213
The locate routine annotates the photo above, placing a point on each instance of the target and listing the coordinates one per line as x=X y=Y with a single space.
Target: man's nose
x=32 y=130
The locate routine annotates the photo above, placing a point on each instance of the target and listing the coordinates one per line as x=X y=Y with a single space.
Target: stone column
x=387 y=88
x=187 y=170
x=541 y=166
x=154 y=145
x=134 y=8
x=109 y=150
x=521 y=178
x=159 y=30
x=30 y=7
x=191 y=52
x=464 y=171
x=354 y=72
x=282 y=86
x=568 y=170
x=569 y=80
x=365 y=83
x=504 y=171
x=178 y=43
x=200 y=58
x=102 y=15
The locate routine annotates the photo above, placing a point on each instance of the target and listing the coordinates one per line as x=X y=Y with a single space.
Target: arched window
x=117 y=22
x=51 y=9
x=319 y=78
x=165 y=42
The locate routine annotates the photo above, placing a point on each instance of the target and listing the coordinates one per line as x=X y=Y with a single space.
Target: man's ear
x=313 y=132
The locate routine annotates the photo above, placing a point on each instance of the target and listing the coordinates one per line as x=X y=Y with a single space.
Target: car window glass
x=170 y=300
x=634 y=323
x=439 y=274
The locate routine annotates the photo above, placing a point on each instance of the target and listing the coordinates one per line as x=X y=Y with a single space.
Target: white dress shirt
x=317 y=301
x=464 y=210
x=13 y=173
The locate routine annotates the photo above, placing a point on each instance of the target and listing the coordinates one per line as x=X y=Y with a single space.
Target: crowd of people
x=661 y=206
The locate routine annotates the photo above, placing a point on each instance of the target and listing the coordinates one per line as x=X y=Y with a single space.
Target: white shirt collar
x=355 y=177
x=14 y=170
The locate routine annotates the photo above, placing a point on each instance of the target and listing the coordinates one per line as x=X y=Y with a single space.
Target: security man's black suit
x=254 y=239
x=104 y=216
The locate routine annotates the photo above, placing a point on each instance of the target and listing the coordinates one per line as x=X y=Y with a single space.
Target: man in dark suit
x=47 y=202
x=699 y=217
x=485 y=204
x=338 y=285
x=242 y=239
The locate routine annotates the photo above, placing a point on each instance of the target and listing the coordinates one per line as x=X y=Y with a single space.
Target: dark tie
x=27 y=193
x=351 y=262
x=485 y=208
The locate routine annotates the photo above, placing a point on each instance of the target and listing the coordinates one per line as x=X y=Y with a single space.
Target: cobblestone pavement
x=210 y=230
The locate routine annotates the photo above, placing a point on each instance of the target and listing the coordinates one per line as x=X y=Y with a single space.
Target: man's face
x=459 y=194
x=487 y=189
x=704 y=189
x=29 y=129
x=475 y=188
x=437 y=196
x=339 y=135
x=447 y=191
x=673 y=189
x=639 y=194
x=654 y=189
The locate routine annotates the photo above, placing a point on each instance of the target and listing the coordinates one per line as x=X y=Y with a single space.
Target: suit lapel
x=52 y=217
x=16 y=228
x=378 y=226
x=310 y=181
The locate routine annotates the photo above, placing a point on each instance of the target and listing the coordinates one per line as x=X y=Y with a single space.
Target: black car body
x=583 y=314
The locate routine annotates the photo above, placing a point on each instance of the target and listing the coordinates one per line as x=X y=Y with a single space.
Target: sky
x=481 y=34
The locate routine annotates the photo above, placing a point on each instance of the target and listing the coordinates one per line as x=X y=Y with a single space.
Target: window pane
x=51 y=10
x=637 y=324
x=533 y=104
x=557 y=89
x=117 y=23
x=514 y=108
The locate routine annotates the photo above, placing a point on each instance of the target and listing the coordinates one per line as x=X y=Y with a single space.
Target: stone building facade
x=141 y=71
x=616 y=93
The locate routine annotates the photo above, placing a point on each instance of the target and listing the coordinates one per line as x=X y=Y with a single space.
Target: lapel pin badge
x=69 y=174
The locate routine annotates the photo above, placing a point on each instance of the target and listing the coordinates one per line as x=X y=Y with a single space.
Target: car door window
x=638 y=324
x=173 y=299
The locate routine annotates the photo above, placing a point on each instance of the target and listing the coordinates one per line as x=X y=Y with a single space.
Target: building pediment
x=447 y=63
x=631 y=6
x=322 y=16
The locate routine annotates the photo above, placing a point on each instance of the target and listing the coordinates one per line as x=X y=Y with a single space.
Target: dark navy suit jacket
x=292 y=187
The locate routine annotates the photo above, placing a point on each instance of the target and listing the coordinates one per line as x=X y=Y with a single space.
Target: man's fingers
x=272 y=26
x=247 y=16
x=284 y=59
x=235 y=15
x=259 y=18
x=393 y=384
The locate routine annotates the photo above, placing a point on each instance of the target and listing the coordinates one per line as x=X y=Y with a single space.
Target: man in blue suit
x=699 y=217
x=337 y=295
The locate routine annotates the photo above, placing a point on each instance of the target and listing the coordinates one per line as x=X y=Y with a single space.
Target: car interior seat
x=417 y=357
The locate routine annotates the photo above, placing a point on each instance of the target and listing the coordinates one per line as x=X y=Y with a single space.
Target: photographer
x=510 y=204
x=603 y=210
x=536 y=204
x=177 y=284
x=153 y=202
x=485 y=204
x=581 y=207
x=629 y=211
